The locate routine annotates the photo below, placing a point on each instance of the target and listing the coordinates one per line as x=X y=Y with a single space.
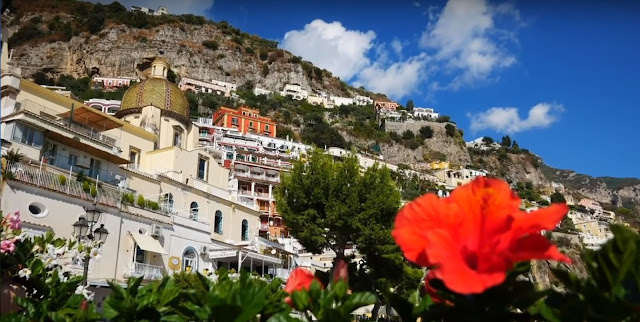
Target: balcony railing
x=49 y=179
x=148 y=272
x=51 y=114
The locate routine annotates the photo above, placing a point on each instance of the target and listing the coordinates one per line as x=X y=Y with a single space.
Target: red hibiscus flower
x=299 y=279
x=476 y=235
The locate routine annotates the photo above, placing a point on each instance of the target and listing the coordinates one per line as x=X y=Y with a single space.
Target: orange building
x=245 y=119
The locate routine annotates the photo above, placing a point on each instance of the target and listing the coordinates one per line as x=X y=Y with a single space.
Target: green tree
x=558 y=197
x=515 y=146
x=408 y=135
x=426 y=132
x=450 y=130
x=410 y=105
x=171 y=76
x=487 y=140
x=443 y=118
x=317 y=131
x=506 y=141
x=330 y=204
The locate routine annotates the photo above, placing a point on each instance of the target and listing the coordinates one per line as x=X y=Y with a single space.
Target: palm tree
x=14 y=156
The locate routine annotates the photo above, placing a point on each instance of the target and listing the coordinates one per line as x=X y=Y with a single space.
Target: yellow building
x=164 y=200
x=438 y=165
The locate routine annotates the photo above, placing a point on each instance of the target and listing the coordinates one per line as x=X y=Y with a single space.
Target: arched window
x=193 y=211
x=245 y=230
x=190 y=259
x=217 y=227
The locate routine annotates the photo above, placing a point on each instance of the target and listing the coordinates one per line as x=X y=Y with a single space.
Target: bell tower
x=159 y=68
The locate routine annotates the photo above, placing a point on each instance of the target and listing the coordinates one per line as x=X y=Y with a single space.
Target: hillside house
x=261 y=91
x=362 y=100
x=422 y=112
x=245 y=119
x=217 y=87
x=113 y=83
x=339 y=101
x=295 y=91
x=385 y=106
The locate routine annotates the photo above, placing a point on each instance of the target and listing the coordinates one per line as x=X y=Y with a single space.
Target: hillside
x=81 y=39
x=59 y=39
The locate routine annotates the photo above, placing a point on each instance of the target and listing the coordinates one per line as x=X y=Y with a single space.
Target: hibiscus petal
x=536 y=246
x=414 y=222
x=542 y=219
x=453 y=268
x=487 y=205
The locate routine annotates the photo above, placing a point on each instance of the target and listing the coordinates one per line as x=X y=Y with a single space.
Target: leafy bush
x=443 y=118
x=128 y=198
x=62 y=179
x=295 y=60
x=426 y=132
x=211 y=44
x=86 y=186
x=153 y=205
x=450 y=130
x=408 y=134
x=93 y=191
x=25 y=34
x=141 y=201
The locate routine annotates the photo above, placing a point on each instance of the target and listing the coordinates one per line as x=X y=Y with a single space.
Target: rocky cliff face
x=441 y=143
x=119 y=50
x=620 y=192
x=513 y=167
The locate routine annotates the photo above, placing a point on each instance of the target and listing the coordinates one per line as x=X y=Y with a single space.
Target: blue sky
x=561 y=79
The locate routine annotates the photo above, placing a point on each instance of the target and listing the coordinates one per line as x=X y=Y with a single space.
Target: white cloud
x=416 y=4
x=197 y=7
x=461 y=38
x=331 y=46
x=506 y=119
x=396 y=80
x=397 y=46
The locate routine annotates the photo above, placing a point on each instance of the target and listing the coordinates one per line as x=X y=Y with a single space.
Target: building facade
x=216 y=87
x=113 y=83
x=164 y=199
x=245 y=120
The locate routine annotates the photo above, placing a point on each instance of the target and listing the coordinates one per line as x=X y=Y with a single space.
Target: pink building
x=591 y=204
x=112 y=83
x=385 y=106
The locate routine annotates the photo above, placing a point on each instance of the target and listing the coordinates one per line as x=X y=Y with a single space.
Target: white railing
x=247 y=202
x=43 y=177
x=148 y=272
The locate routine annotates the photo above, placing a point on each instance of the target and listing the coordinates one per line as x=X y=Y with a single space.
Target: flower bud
x=341 y=271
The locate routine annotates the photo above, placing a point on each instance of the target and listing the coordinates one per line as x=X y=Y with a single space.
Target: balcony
x=51 y=115
x=51 y=179
x=148 y=272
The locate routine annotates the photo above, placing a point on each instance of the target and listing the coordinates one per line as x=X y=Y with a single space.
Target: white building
x=362 y=100
x=216 y=87
x=161 y=10
x=480 y=144
x=112 y=83
x=420 y=112
x=105 y=106
x=261 y=91
x=364 y=161
x=339 y=101
x=295 y=91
